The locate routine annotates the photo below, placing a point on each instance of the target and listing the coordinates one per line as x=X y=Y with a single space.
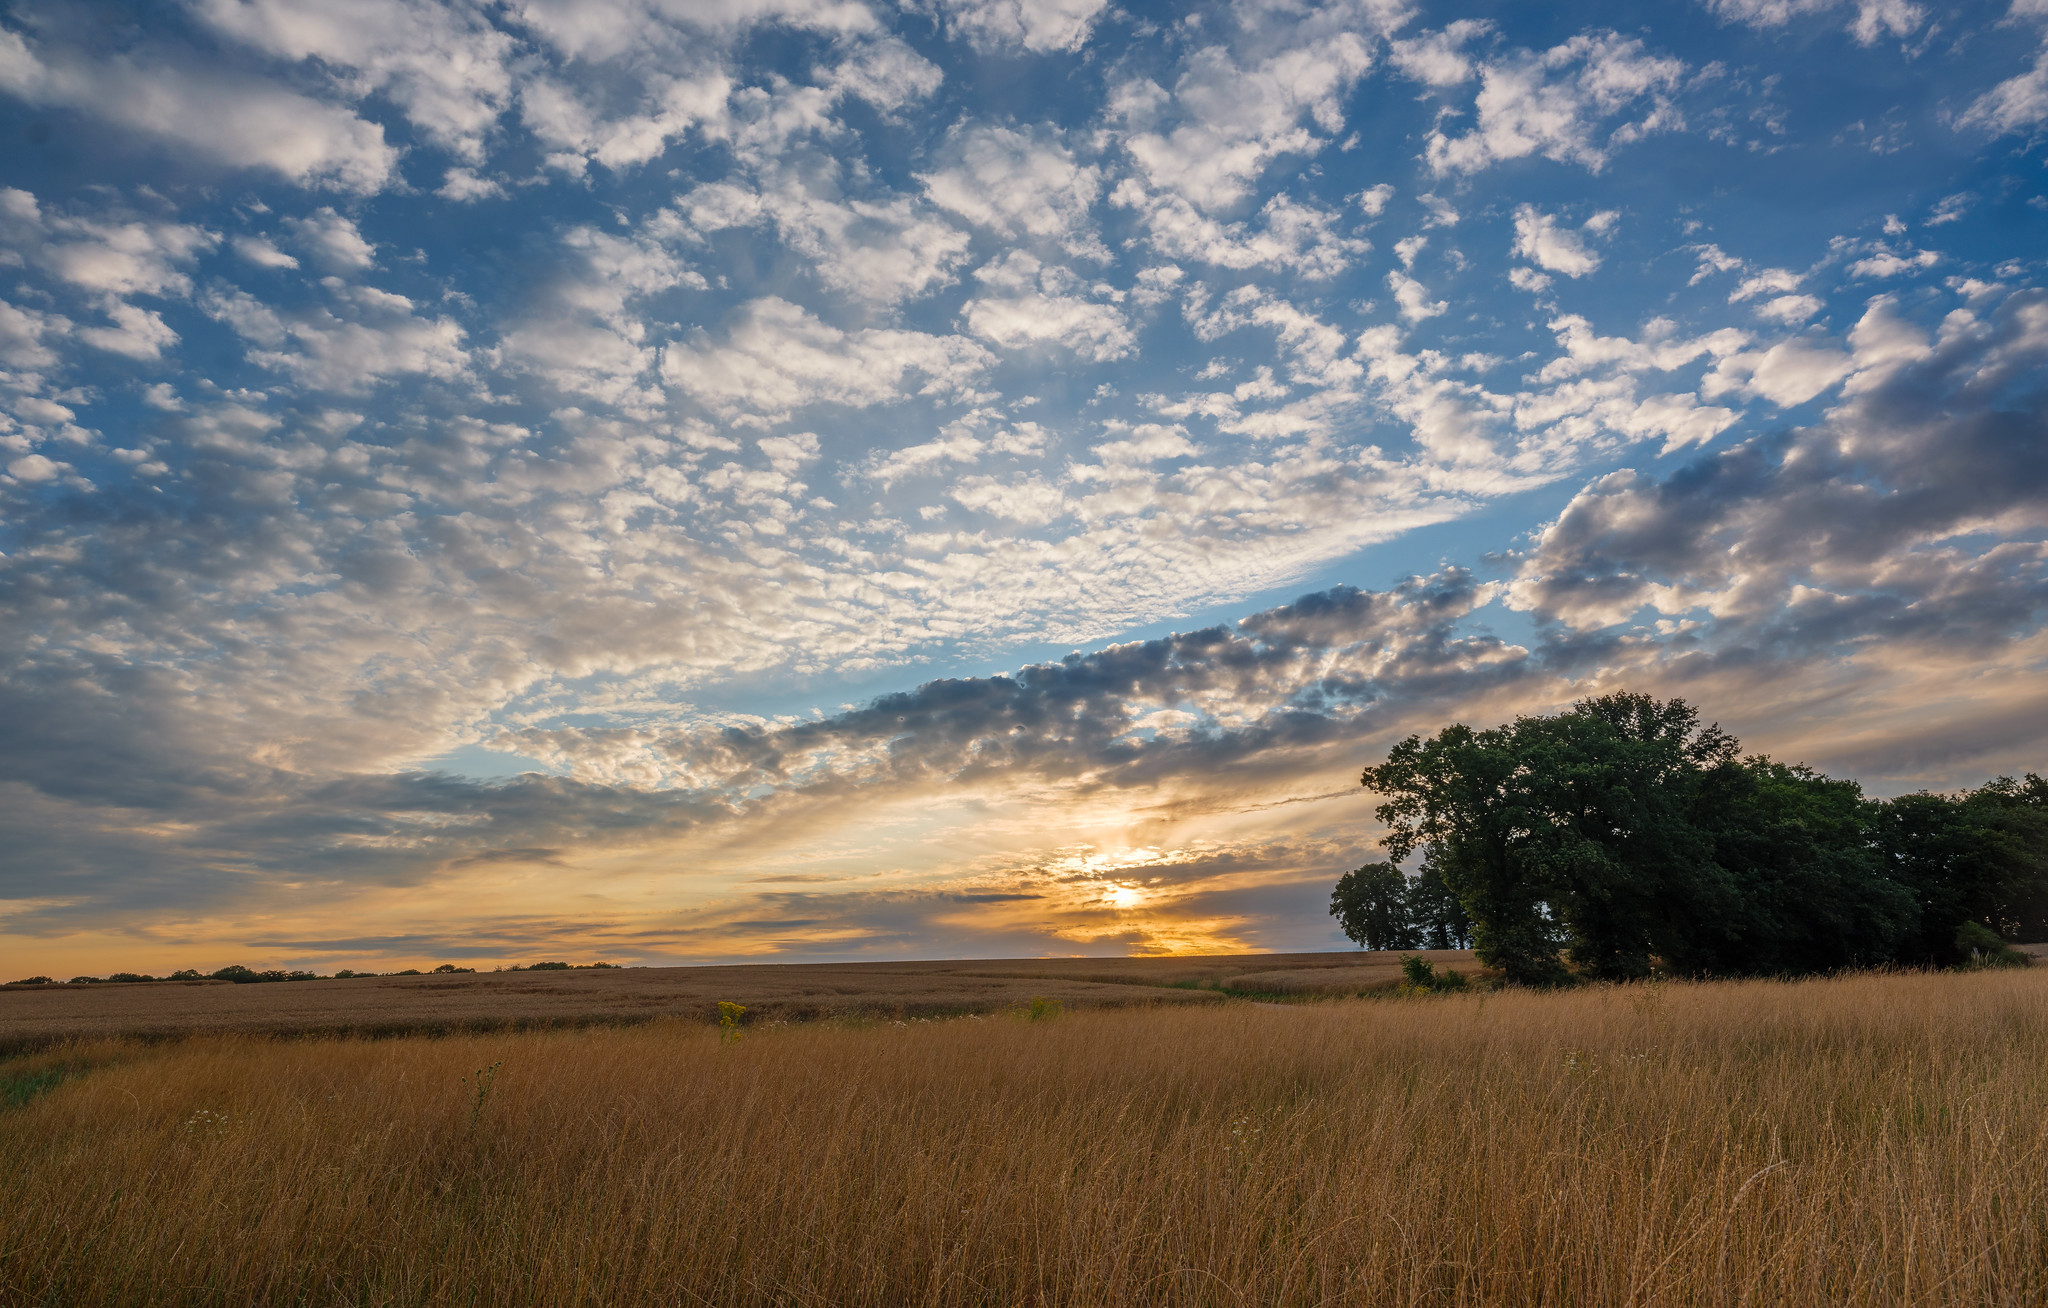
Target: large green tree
x=1565 y=837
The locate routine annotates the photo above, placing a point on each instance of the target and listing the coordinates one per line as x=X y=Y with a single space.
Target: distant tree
x=1438 y=919
x=1371 y=907
x=235 y=972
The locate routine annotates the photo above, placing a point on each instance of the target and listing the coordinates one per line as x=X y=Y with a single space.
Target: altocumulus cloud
x=481 y=480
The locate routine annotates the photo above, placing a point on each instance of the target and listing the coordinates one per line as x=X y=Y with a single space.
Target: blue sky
x=673 y=480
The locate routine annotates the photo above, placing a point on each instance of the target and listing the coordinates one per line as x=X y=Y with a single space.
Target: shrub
x=1419 y=976
x=1982 y=947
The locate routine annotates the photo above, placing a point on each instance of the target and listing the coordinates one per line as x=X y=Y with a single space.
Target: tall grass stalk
x=1867 y=1140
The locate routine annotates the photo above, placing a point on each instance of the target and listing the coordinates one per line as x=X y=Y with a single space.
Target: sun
x=1124 y=896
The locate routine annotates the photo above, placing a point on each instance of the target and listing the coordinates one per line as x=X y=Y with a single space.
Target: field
x=1877 y=1139
x=34 y=1015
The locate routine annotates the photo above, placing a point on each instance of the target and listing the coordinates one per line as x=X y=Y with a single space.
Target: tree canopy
x=1624 y=833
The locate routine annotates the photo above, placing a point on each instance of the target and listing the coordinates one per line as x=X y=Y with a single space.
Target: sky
x=675 y=481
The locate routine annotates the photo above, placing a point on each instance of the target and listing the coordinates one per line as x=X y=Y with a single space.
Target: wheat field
x=1875 y=1139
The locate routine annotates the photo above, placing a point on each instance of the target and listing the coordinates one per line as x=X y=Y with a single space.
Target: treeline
x=240 y=975
x=1623 y=836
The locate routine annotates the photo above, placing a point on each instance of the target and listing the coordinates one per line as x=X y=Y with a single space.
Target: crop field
x=1874 y=1139
x=34 y=1015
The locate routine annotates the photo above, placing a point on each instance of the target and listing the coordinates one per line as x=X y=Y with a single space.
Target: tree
x=1810 y=891
x=1439 y=920
x=1566 y=833
x=1371 y=906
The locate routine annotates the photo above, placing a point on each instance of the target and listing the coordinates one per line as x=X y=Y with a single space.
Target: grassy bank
x=1877 y=1139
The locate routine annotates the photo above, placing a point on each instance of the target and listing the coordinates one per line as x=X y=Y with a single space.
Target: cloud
x=1871 y=18
x=332 y=241
x=1539 y=239
x=1438 y=58
x=445 y=65
x=1211 y=136
x=883 y=250
x=1849 y=529
x=1413 y=298
x=1039 y=26
x=1017 y=183
x=236 y=121
x=1556 y=104
x=360 y=337
x=1289 y=236
x=776 y=358
x=1034 y=304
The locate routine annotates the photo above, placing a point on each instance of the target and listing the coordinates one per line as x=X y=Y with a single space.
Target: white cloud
x=2015 y=103
x=21 y=337
x=886 y=73
x=1017 y=183
x=332 y=241
x=1439 y=58
x=137 y=333
x=1872 y=18
x=262 y=253
x=882 y=250
x=1036 y=25
x=1289 y=236
x=581 y=133
x=462 y=186
x=1554 y=104
x=1374 y=199
x=445 y=64
x=1216 y=131
x=1413 y=298
x=1539 y=239
x=587 y=335
x=362 y=337
x=36 y=467
x=237 y=121
x=1769 y=281
x=1788 y=373
x=1890 y=263
x=1789 y=309
x=778 y=358
x=1036 y=304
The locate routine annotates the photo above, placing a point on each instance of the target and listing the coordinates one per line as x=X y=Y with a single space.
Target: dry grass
x=34 y=1016
x=1872 y=1140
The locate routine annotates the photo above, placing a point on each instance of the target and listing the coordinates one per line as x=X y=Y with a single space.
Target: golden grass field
x=33 y=1015
x=1877 y=1139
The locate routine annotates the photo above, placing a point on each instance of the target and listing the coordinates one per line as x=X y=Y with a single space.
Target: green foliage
x=1419 y=976
x=1042 y=1009
x=1623 y=834
x=1982 y=947
x=1371 y=907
